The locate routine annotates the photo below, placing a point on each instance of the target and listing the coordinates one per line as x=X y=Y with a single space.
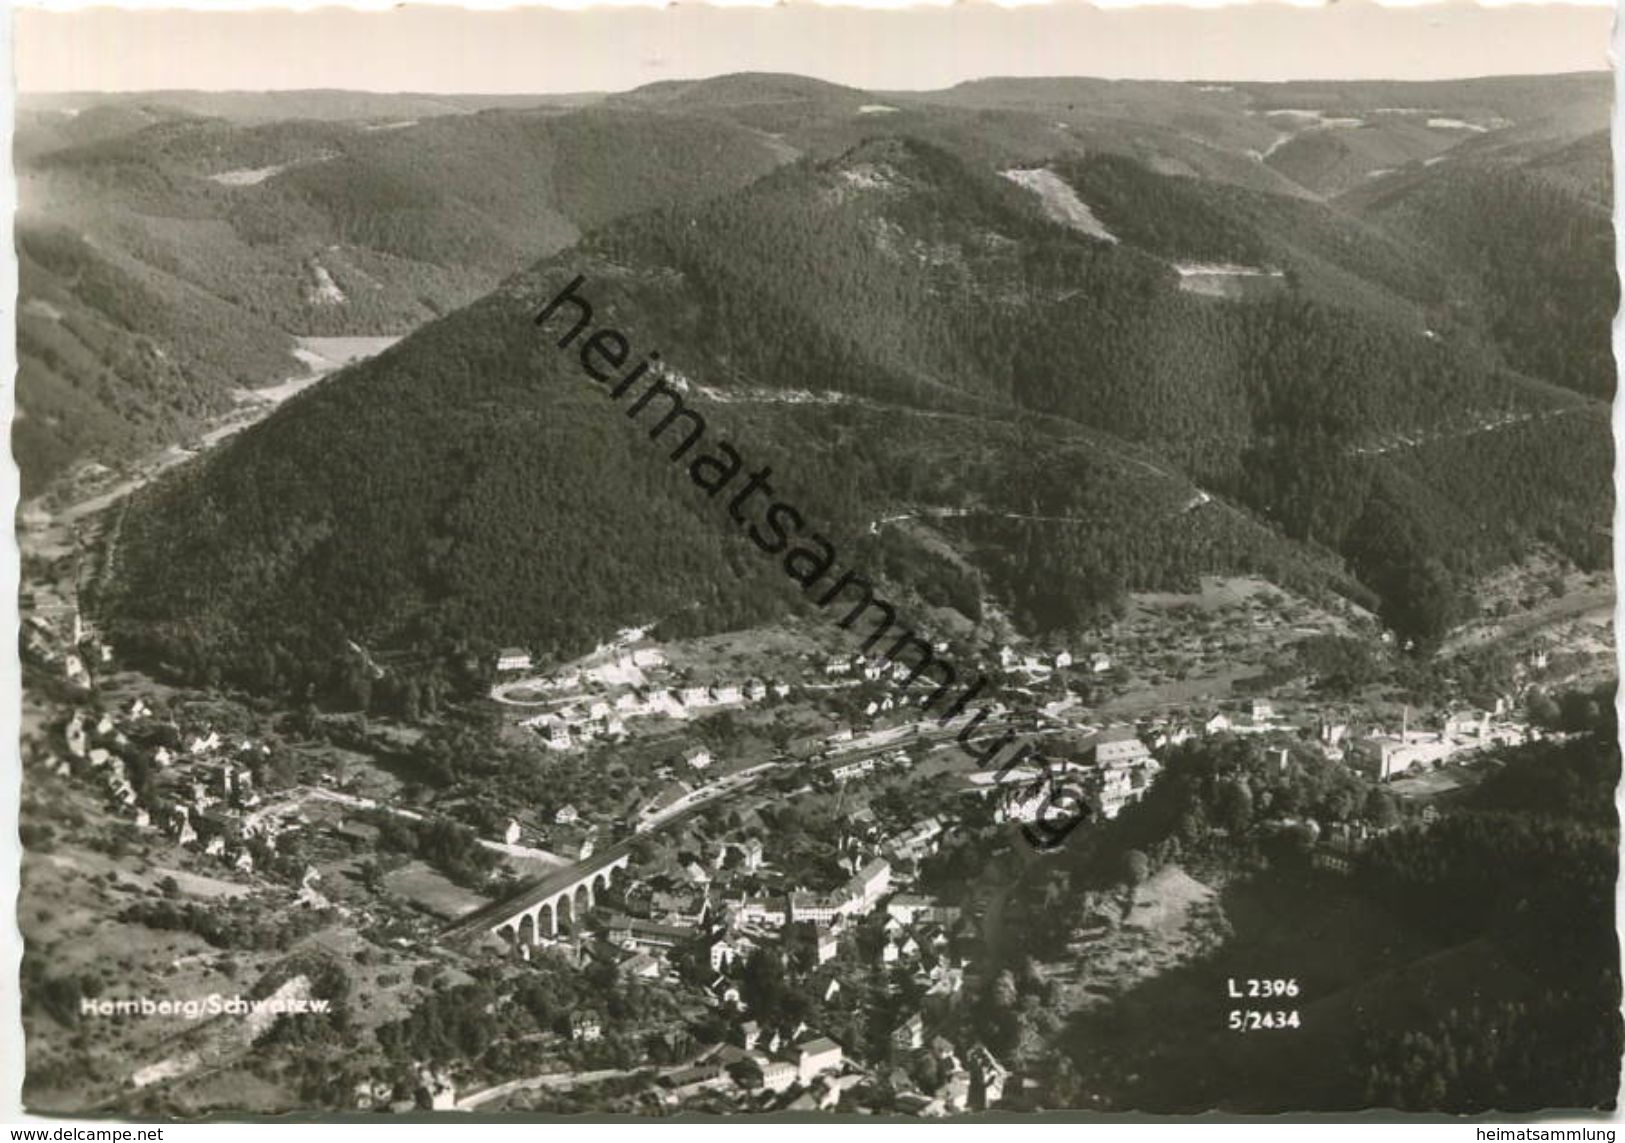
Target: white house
x=1467 y=724
x=513 y=659
x=910 y=1035
x=763 y=910
x=722 y=954
x=811 y=907
x=1119 y=747
x=777 y=1075
x=871 y=883
x=646 y=657
x=817 y=1056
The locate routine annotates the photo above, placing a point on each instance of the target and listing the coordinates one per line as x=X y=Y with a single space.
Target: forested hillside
x=1533 y=258
x=1094 y=424
x=116 y=358
x=342 y=213
x=1428 y=975
x=213 y=244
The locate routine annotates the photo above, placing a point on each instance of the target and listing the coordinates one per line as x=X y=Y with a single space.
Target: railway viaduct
x=538 y=910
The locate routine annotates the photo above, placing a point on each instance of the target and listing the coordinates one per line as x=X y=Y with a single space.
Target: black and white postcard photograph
x=883 y=565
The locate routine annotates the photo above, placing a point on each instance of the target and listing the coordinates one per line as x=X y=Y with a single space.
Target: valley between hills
x=1251 y=441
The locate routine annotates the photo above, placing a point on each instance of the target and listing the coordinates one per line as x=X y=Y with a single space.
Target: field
x=1433 y=783
x=431 y=891
x=74 y=889
x=1175 y=650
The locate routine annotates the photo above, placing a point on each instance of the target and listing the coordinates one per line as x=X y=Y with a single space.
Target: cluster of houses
x=917 y=840
x=56 y=635
x=566 y=835
x=957 y=1081
x=782 y=1058
x=874 y=667
x=722 y=934
x=1256 y=716
x=201 y=794
x=610 y=662
x=1115 y=769
x=796 y=1069
x=581 y=721
x=1096 y=663
x=1382 y=755
x=847 y=770
x=1379 y=753
x=603 y=693
x=856 y=898
x=915 y=937
x=431 y=1090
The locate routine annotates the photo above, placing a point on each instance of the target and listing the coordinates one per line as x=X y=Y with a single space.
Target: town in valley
x=409 y=736
x=737 y=873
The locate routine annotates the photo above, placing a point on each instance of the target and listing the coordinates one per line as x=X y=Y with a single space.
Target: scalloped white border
x=11 y=1035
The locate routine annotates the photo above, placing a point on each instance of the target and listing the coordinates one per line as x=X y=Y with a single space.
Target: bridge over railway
x=565 y=894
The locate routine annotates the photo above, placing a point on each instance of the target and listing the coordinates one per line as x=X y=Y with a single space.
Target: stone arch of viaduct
x=558 y=900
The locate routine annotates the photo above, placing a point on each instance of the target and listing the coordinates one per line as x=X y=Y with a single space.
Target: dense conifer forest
x=1098 y=429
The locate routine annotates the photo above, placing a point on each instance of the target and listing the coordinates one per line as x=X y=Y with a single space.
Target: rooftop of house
x=1115 y=734
x=875 y=868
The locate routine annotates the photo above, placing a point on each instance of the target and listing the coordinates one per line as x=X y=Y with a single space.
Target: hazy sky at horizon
x=425 y=49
